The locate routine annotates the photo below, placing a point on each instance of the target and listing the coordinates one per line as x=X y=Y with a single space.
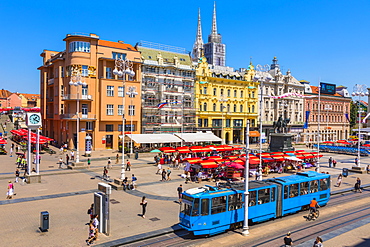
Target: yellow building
x=29 y=100
x=225 y=100
x=101 y=99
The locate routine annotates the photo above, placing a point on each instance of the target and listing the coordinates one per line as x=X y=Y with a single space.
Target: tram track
x=322 y=225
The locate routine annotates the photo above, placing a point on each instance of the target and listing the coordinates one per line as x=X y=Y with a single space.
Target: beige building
x=102 y=96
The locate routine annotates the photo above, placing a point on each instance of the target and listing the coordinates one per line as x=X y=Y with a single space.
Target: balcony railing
x=74 y=97
x=88 y=116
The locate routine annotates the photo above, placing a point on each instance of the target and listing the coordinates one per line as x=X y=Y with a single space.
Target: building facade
x=332 y=123
x=289 y=107
x=225 y=100
x=99 y=102
x=167 y=89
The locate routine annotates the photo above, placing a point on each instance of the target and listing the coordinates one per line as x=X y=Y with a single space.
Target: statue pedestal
x=33 y=178
x=280 y=142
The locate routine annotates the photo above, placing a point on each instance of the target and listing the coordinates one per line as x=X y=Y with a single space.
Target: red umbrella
x=235 y=165
x=2 y=141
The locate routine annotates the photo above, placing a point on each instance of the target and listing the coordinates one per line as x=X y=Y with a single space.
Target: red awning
x=208 y=164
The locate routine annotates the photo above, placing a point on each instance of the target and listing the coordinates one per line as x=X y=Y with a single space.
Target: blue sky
x=327 y=40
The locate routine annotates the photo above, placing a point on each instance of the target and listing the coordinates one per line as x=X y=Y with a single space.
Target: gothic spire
x=198 y=45
x=214 y=37
x=199 y=38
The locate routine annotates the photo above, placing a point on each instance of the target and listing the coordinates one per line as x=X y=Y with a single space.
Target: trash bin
x=136 y=155
x=44 y=221
x=345 y=172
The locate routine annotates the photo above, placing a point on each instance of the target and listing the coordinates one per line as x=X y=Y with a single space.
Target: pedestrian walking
x=179 y=193
x=96 y=227
x=200 y=174
x=105 y=172
x=368 y=169
x=88 y=163
x=125 y=184
x=19 y=160
x=164 y=174
x=143 y=204
x=339 y=180
x=128 y=166
x=72 y=155
x=356 y=161
x=90 y=238
x=11 y=152
x=60 y=162
x=109 y=163
x=90 y=211
x=334 y=163
x=168 y=174
x=318 y=242
x=17 y=173
x=10 y=193
x=159 y=166
x=358 y=185
x=288 y=240
x=16 y=149
x=133 y=180
x=117 y=159
x=67 y=159
x=330 y=161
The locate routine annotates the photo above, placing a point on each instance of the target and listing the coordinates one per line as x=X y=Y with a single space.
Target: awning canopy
x=254 y=134
x=153 y=138
x=198 y=137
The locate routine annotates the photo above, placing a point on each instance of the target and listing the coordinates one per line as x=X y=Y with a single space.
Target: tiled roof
x=116 y=45
x=29 y=96
x=4 y=93
x=168 y=57
x=315 y=90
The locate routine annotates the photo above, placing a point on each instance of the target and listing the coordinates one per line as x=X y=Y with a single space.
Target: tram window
x=273 y=191
x=304 y=188
x=235 y=201
x=264 y=196
x=205 y=206
x=293 y=190
x=324 y=184
x=196 y=207
x=286 y=189
x=218 y=205
x=314 y=186
x=252 y=198
x=185 y=208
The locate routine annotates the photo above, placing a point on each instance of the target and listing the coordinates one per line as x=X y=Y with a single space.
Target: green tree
x=353 y=114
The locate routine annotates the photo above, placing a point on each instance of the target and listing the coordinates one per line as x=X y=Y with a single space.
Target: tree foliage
x=353 y=114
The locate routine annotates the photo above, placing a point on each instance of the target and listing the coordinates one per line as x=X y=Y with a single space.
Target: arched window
x=228 y=107
x=222 y=92
x=221 y=107
x=214 y=91
x=235 y=92
x=234 y=107
x=228 y=93
x=241 y=94
x=241 y=108
x=214 y=106
x=253 y=94
x=205 y=107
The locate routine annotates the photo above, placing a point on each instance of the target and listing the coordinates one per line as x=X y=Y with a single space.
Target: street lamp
x=360 y=91
x=77 y=80
x=222 y=118
x=261 y=76
x=123 y=67
x=131 y=93
x=245 y=231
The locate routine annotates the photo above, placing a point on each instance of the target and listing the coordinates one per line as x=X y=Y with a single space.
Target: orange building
x=101 y=96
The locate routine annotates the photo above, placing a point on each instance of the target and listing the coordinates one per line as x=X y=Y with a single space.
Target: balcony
x=73 y=116
x=51 y=81
x=74 y=97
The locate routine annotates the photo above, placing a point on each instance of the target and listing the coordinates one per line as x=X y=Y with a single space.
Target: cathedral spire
x=198 y=45
x=214 y=22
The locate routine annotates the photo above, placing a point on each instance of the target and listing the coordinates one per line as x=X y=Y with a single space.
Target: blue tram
x=209 y=210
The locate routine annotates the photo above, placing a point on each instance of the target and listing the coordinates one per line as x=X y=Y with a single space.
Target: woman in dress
x=339 y=181
x=9 y=194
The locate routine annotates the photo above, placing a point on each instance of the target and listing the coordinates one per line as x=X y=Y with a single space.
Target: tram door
x=279 y=200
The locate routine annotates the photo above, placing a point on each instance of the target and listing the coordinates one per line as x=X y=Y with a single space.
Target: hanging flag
x=305 y=126
x=346 y=114
x=160 y=105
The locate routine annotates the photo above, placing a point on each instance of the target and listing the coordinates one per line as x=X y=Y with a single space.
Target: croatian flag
x=160 y=105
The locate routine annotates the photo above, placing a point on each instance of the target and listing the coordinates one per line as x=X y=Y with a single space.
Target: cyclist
x=313 y=206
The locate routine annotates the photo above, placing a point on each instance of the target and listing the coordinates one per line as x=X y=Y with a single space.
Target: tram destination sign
x=327 y=88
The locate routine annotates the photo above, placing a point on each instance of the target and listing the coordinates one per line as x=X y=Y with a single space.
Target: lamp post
x=318 y=129
x=77 y=80
x=261 y=76
x=123 y=67
x=222 y=119
x=131 y=93
x=245 y=231
x=360 y=91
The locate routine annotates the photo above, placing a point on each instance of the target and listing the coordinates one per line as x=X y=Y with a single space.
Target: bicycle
x=312 y=216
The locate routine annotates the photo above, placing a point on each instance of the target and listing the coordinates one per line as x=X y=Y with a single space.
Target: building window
x=200 y=122
x=109 y=127
x=110 y=110
x=205 y=90
x=61 y=71
x=241 y=108
x=205 y=107
x=89 y=126
x=228 y=107
x=85 y=70
x=241 y=94
x=222 y=107
x=129 y=127
x=238 y=123
x=253 y=94
x=228 y=93
x=252 y=108
x=214 y=106
x=222 y=92
x=121 y=91
x=234 y=107
x=214 y=91
x=120 y=127
x=79 y=46
x=120 y=110
x=216 y=122
x=117 y=55
x=206 y=122
x=235 y=93
x=228 y=123
x=84 y=90
x=108 y=73
x=131 y=110
x=110 y=91
x=84 y=109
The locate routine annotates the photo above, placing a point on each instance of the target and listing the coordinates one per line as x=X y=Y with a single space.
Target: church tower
x=214 y=50
x=198 y=45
